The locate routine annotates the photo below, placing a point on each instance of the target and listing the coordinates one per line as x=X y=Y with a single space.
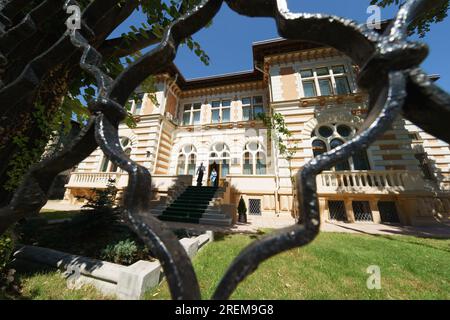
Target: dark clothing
x=200 y=172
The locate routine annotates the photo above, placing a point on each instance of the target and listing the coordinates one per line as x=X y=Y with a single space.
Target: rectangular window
x=338 y=69
x=325 y=81
x=325 y=87
x=186 y=119
x=309 y=88
x=251 y=107
x=246 y=109
x=192 y=114
x=322 y=72
x=196 y=117
x=221 y=111
x=342 y=86
x=306 y=73
x=361 y=210
x=254 y=206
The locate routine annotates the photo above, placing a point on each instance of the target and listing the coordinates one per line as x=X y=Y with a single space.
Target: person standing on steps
x=213 y=177
x=200 y=172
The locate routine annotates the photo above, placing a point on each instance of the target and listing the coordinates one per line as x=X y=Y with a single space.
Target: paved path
x=283 y=220
x=61 y=205
x=438 y=231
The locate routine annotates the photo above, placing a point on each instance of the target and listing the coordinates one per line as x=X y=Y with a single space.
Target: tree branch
x=121 y=47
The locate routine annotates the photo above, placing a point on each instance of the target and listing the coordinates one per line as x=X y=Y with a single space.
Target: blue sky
x=228 y=41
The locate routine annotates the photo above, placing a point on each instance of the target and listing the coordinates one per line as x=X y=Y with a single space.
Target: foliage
x=6 y=275
x=278 y=130
x=103 y=200
x=242 y=208
x=423 y=24
x=50 y=125
x=159 y=15
x=6 y=249
x=125 y=252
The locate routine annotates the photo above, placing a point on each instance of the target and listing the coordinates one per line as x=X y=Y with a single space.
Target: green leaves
x=422 y=25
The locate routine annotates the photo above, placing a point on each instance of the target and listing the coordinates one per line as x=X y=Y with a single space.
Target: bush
x=125 y=252
x=6 y=250
x=6 y=274
x=242 y=210
x=103 y=199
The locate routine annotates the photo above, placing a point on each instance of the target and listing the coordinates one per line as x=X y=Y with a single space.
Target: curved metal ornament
x=399 y=87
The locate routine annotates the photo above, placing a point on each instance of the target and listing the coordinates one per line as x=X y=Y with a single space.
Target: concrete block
x=210 y=234
x=190 y=245
x=138 y=278
x=202 y=240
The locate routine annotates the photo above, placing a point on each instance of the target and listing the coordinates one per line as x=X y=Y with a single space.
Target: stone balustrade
x=378 y=182
x=100 y=180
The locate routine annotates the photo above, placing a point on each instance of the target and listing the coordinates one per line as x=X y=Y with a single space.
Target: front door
x=216 y=166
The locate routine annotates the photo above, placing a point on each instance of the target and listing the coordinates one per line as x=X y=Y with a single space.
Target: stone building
x=403 y=177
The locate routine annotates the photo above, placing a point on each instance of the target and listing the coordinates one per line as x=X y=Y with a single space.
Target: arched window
x=107 y=165
x=220 y=155
x=254 y=159
x=330 y=136
x=187 y=158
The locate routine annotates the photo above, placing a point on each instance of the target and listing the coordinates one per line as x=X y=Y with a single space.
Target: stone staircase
x=201 y=205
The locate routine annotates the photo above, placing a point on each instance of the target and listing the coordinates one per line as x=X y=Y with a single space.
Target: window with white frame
x=186 y=160
x=220 y=155
x=325 y=81
x=326 y=137
x=221 y=111
x=254 y=159
x=109 y=166
x=192 y=114
x=251 y=107
x=137 y=105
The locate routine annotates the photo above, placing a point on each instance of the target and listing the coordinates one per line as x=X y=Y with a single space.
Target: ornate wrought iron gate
x=390 y=74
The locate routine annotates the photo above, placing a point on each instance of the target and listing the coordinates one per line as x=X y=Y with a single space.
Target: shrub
x=242 y=210
x=125 y=252
x=6 y=274
x=6 y=250
x=103 y=199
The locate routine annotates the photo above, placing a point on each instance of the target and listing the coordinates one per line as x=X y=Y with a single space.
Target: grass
x=51 y=285
x=333 y=267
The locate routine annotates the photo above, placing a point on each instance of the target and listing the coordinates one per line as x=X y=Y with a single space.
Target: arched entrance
x=219 y=159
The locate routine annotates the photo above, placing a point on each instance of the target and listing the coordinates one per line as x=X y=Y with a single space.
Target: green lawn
x=332 y=267
x=51 y=285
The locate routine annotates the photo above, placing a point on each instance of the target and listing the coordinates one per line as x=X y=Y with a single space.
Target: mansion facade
x=216 y=121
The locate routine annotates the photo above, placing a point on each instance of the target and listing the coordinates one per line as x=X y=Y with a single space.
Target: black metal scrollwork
x=390 y=74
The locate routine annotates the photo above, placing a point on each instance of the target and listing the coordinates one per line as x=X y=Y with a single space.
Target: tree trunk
x=25 y=123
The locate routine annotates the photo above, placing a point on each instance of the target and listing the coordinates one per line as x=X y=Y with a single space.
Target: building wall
x=160 y=137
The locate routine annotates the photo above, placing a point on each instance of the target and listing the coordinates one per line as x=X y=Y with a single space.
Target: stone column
x=323 y=209
x=375 y=211
x=349 y=210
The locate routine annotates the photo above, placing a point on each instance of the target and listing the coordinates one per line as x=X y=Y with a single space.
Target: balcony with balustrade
x=370 y=182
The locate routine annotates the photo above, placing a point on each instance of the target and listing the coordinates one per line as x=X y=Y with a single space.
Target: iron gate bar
x=389 y=56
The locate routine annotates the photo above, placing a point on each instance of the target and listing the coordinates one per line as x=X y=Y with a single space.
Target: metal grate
x=255 y=206
x=388 y=211
x=361 y=210
x=337 y=210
